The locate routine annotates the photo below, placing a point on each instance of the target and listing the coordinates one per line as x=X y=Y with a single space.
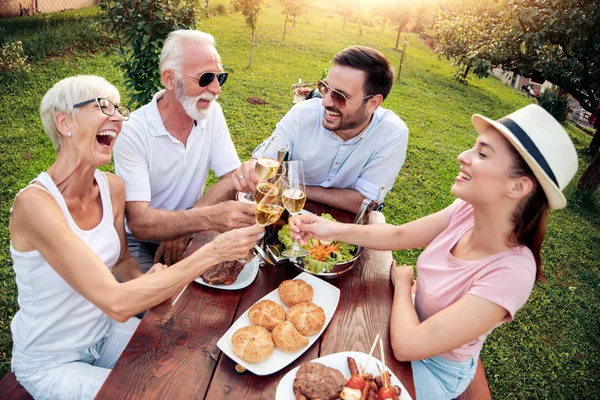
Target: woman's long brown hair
x=530 y=217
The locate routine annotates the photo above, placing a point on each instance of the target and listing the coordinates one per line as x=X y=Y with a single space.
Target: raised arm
x=418 y=233
x=38 y=221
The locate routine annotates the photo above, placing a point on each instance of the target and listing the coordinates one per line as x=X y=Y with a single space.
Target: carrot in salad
x=321 y=252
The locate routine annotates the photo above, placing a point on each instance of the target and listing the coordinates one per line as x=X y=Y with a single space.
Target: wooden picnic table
x=174 y=355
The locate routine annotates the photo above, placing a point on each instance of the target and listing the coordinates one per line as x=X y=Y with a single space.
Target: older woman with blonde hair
x=482 y=253
x=67 y=239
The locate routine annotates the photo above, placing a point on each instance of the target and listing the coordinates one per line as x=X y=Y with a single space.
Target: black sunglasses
x=339 y=99
x=206 y=78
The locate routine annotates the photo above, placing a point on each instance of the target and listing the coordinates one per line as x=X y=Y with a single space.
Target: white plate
x=245 y=278
x=325 y=295
x=285 y=388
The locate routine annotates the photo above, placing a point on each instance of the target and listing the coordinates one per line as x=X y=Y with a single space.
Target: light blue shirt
x=368 y=163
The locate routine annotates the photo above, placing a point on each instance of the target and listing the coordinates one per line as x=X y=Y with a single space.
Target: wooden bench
x=478 y=389
x=11 y=389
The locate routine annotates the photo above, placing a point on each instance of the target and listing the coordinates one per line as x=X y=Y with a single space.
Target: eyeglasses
x=206 y=78
x=339 y=99
x=107 y=107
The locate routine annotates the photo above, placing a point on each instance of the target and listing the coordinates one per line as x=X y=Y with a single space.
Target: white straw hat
x=543 y=144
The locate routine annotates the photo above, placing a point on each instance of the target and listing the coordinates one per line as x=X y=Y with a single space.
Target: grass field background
x=551 y=350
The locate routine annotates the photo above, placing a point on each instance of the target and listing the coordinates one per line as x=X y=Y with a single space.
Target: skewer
x=370 y=354
x=383 y=363
x=179 y=295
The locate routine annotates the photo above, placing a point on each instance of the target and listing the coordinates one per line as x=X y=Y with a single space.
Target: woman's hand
x=402 y=277
x=235 y=244
x=156 y=268
x=309 y=226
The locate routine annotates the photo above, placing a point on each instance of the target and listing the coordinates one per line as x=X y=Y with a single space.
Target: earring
x=69 y=134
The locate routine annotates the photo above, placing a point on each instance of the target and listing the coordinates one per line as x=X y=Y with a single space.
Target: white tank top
x=53 y=318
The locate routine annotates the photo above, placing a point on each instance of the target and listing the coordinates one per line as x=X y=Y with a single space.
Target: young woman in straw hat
x=482 y=254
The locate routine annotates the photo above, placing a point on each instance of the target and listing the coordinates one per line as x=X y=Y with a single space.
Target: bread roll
x=308 y=318
x=287 y=338
x=252 y=343
x=292 y=292
x=266 y=313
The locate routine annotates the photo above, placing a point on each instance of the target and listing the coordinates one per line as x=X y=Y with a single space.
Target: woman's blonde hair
x=67 y=92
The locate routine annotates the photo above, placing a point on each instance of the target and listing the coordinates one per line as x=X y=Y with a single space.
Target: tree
x=141 y=27
x=398 y=12
x=345 y=8
x=292 y=8
x=557 y=40
x=250 y=9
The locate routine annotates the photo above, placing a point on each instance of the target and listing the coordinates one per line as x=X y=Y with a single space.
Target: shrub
x=13 y=58
x=556 y=102
x=220 y=9
x=141 y=27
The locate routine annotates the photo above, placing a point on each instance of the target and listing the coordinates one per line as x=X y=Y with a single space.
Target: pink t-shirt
x=505 y=278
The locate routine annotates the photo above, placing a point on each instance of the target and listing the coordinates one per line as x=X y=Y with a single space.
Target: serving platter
x=325 y=295
x=285 y=388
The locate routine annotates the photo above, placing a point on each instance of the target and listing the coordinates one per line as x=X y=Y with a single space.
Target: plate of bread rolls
x=282 y=325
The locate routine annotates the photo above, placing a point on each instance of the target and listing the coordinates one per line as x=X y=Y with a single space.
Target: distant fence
x=16 y=8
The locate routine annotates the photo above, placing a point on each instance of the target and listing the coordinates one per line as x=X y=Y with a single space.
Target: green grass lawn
x=551 y=350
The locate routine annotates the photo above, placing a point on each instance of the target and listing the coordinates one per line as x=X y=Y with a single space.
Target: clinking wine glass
x=294 y=197
x=267 y=166
x=270 y=206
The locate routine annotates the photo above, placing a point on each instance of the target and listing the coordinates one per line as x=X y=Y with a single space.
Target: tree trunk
x=285 y=24
x=383 y=26
x=590 y=179
x=344 y=26
x=466 y=72
x=294 y=23
x=360 y=32
x=206 y=5
x=251 y=49
x=595 y=143
x=398 y=37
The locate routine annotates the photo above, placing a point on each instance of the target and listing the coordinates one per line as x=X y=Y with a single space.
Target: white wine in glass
x=270 y=206
x=262 y=189
x=294 y=197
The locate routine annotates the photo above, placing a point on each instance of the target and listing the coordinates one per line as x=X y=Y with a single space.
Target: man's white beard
x=189 y=102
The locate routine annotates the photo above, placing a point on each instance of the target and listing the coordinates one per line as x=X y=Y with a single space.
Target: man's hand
x=171 y=250
x=230 y=215
x=235 y=244
x=244 y=178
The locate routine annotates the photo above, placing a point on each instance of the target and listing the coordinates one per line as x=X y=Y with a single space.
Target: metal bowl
x=339 y=270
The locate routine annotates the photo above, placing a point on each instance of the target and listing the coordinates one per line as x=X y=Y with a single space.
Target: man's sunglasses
x=339 y=99
x=206 y=78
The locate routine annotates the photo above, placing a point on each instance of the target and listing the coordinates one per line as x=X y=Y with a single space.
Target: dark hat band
x=528 y=144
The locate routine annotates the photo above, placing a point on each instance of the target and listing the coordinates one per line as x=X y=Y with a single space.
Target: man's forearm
x=221 y=191
x=343 y=199
x=159 y=225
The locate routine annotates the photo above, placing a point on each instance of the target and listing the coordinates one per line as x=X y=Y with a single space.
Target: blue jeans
x=77 y=375
x=438 y=378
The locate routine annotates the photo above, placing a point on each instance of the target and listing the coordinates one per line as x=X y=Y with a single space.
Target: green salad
x=324 y=254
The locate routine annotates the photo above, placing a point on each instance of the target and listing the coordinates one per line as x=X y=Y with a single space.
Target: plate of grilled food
x=230 y=275
x=349 y=375
x=282 y=325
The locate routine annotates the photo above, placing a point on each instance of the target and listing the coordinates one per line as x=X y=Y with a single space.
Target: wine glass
x=270 y=206
x=267 y=166
x=294 y=197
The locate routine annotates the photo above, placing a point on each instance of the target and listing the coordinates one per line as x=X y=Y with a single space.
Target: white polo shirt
x=368 y=163
x=158 y=168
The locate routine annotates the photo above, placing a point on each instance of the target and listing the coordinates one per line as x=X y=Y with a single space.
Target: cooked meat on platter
x=316 y=381
x=223 y=274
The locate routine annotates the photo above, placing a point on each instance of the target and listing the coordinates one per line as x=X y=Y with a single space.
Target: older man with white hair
x=166 y=149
